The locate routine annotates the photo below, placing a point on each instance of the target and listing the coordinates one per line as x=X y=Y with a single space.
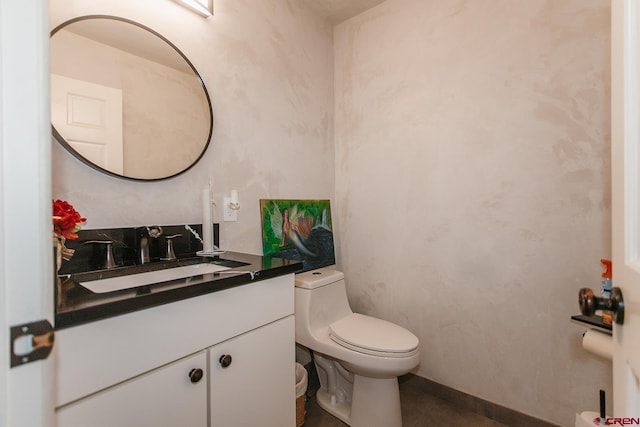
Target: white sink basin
x=142 y=279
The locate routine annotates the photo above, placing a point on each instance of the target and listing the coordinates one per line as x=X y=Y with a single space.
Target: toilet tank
x=315 y=279
x=320 y=299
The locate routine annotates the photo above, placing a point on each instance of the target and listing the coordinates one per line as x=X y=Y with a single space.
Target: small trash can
x=301 y=389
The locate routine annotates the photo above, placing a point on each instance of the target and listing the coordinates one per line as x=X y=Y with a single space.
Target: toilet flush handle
x=589 y=303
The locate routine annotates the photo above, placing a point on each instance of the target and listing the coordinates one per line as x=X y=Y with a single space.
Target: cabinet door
x=163 y=397
x=257 y=388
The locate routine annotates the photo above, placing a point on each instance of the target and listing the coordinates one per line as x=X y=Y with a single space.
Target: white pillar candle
x=207 y=223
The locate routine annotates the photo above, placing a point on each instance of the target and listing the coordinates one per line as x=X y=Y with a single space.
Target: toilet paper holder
x=589 y=303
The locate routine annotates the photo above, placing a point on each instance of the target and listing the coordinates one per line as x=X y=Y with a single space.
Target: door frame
x=625 y=198
x=26 y=267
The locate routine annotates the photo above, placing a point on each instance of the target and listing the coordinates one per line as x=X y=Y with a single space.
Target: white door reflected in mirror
x=90 y=117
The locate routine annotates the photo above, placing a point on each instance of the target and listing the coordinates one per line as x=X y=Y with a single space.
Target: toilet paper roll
x=598 y=343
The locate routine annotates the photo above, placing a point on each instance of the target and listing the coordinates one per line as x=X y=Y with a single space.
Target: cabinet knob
x=225 y=360
x=196 y=375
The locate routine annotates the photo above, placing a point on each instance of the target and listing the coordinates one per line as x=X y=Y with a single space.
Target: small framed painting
x=299 y=230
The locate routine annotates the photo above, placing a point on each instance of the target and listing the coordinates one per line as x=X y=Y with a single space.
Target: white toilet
x=358 y=357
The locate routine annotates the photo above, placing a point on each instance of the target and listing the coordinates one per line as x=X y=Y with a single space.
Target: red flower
x=66 y=220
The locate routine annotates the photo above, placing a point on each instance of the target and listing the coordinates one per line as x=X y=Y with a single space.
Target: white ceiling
x=338 y=10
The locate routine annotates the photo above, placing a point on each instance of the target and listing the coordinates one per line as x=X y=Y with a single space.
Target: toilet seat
x=373 y=336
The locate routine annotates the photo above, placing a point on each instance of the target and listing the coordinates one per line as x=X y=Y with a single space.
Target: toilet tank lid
x=316 y=278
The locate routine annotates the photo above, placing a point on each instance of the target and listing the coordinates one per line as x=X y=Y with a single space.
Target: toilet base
x=376 y=403
x=340 y=410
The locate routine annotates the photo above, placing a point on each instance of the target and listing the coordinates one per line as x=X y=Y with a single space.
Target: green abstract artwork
x=299 y=230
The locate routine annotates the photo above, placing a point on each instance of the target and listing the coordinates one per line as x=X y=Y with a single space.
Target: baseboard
x=474 y=404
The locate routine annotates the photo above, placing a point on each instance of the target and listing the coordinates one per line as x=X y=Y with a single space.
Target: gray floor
x=419 y=409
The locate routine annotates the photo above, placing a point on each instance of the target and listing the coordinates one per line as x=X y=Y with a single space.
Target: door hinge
x=30 y=342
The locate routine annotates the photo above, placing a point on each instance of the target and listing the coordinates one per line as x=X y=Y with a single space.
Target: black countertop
x=76 y=305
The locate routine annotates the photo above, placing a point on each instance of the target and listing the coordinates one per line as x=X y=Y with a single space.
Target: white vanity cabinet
x=249 y=387
x=134 y=369
x=163 y=397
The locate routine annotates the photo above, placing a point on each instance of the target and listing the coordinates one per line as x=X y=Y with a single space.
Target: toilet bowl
x=358 y=357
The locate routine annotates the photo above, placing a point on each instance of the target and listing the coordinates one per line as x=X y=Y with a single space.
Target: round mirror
x=125 y=100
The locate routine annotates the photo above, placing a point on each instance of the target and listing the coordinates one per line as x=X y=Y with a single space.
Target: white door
x=625 y=116
x=26 y=267
x=89 y=116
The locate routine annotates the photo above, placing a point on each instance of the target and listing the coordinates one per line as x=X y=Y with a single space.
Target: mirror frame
x=78 y=156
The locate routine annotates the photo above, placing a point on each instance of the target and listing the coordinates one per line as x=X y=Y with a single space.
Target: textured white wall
x=472 y=188
x=268 y=68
